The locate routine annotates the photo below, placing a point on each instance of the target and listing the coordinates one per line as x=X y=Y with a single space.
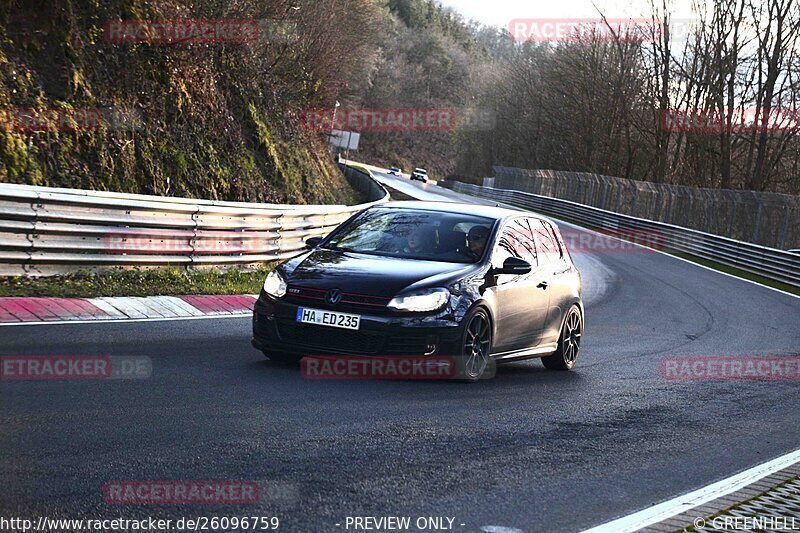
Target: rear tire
x=569 y=342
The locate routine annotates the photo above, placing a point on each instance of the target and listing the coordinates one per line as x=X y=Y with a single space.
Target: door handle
x=542 y=285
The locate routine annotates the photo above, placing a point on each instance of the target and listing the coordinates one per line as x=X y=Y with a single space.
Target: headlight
x=430 y=300
x=274 y=285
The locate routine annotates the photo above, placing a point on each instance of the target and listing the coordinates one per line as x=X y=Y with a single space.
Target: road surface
x=531 y=449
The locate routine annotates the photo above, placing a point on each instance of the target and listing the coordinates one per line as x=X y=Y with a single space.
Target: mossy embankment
x=193 y=120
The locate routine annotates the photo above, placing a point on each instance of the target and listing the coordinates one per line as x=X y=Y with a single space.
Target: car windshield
x=415 y=234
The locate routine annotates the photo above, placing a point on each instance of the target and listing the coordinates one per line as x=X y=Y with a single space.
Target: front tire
x=476 y=346
x=569 y=342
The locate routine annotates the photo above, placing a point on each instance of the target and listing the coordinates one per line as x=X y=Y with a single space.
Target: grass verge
x=359 y=168
x=162 y=282
x=736 y=272
x=396 y=195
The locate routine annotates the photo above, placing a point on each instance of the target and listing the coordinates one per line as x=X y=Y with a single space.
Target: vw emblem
x=334 y=296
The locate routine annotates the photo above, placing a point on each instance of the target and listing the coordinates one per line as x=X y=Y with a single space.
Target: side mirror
x=313 y=242
x=514 y=266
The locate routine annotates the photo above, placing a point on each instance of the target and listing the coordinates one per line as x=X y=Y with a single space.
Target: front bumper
x=276 y=330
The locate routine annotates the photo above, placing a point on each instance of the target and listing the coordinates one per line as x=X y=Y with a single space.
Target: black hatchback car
x=427 y=278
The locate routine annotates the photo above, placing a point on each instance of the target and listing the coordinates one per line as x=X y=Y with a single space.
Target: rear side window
x=550 y=246
x=517 y=240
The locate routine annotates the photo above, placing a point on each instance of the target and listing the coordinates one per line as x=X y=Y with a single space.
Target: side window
x=551 y=250
x=516 y=240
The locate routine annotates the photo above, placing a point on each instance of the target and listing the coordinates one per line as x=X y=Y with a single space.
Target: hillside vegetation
x=226 y=120
x=210 y=120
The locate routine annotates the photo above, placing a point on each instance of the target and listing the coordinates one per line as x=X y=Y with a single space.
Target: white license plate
x=328 y=318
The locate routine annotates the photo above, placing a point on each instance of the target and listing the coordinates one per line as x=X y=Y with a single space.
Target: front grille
x=311 y=296
x=324 y=339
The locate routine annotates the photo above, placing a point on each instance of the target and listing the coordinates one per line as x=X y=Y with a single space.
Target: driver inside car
x=420 y=241
x=476 y=241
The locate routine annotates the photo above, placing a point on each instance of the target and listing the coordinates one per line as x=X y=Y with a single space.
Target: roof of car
x=457 y=207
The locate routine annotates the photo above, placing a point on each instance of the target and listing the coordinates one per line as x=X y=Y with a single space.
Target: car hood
x=369 y=274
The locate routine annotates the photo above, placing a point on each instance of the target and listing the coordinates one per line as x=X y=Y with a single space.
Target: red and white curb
x=26 y=310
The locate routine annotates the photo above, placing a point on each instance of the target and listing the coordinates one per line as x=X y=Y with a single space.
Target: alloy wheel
x=571 y=337
x=477 y=343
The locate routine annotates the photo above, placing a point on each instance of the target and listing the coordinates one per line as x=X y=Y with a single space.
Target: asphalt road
x=530 y=449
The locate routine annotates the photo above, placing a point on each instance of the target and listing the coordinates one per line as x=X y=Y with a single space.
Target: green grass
x=736 y=272
x=359 y=168
x=169 y=281
x=394 y=194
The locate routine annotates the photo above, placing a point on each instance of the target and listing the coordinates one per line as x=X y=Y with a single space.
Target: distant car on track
x=395 y=171
x=482 y=283
x=420 y=174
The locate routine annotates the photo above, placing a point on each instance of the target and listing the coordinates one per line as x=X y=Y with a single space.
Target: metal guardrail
x=764 y=218
x=771 y=263
x=48 y=231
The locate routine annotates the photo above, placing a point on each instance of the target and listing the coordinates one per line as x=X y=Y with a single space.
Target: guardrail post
x=278 y=231
x=27 y=266
x=782 y=243
x=668 y=211
x=193 y=241
x=757 y=228
x=633 y=202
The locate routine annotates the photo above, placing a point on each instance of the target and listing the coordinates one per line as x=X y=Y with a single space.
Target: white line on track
x=686 y=502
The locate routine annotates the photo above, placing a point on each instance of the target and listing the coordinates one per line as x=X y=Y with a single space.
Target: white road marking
x=686 y=502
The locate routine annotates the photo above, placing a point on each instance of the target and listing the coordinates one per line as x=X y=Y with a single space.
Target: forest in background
x=225 y=120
